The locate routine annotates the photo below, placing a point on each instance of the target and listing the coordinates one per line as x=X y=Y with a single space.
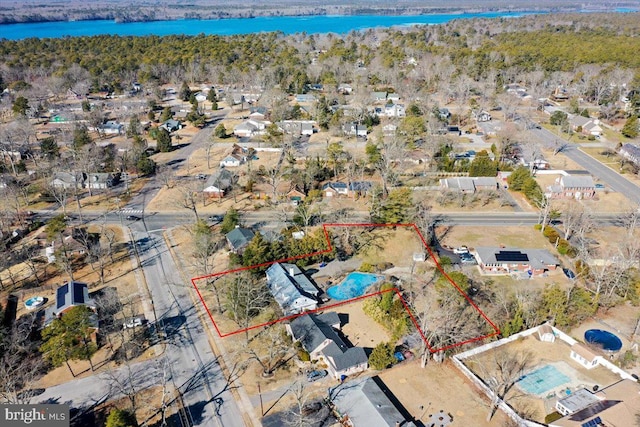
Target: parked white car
x=132 y=323
x=461 y=250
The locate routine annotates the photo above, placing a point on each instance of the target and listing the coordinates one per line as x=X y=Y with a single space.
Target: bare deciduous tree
x=500 y=373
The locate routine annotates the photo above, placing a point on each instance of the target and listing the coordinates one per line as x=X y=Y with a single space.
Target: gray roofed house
x=466 y=184
x=171 y=125
x=355 y=129
x=218 y=183
x=318 y=335
x=292 y=290
x=495 y=260
x=572 y=186
x=366 y=403
x=239 y=238
x=68 y=296
x=296 y=127
x=111 y=128
x=631 y=152
x=378 y=96
x=68 y=180
x=359 y=187
x=100 y=180
x=315 y=331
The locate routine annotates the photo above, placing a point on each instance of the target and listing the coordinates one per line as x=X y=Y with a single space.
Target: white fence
x=458 y=358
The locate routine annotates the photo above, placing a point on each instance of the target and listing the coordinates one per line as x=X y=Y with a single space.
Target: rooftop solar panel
x=61 y=294
x=511 y=256
x=592 y=410
x=78 y=293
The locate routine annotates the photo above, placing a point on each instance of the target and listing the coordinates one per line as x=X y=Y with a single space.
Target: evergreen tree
x=374 y=156
x=230 y=220
x=630 y=129
x=166 y=114
x=395 y=209
x=258 y=251
x=382 y=356
x=49 y=148
x=145 y=165
x=69 y=337
x=20 y=106
x=134 y=126
x=120 y=418
x=220 y=131
x=81 y=137
x=482 y=165
x=185 y=92
x=164 y=140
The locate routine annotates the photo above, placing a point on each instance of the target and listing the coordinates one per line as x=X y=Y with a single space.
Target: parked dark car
x=216 y=218
x=316 y=375
x=570 y=274
x=467 y=259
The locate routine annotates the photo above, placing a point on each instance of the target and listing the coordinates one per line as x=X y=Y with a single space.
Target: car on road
x=316 y=375
x=134 y=322
x=133 y=218
x=461 y=250
x=216 y=218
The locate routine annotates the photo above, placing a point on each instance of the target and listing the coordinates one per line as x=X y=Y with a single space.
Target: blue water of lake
x=286 y=24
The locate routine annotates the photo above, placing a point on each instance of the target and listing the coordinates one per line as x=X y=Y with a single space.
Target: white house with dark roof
x=334 y=189
x=318 y=335
x=365 y=402
x=219 y=183
x=69 y=295
x=495 y=260
x=291 y=288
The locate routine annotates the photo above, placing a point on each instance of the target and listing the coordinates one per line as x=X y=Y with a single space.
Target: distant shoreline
x=400 y=11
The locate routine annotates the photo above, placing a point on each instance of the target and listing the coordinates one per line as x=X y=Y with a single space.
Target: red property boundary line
x=323 y=308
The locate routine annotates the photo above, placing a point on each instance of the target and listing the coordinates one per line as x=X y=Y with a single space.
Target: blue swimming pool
x=542 y=380
x=354 y=285
x=604 y=339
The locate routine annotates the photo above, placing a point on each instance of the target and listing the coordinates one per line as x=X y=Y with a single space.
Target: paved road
x=616 y=181
x=194 y=366
x=180 y=157
x=156 y=221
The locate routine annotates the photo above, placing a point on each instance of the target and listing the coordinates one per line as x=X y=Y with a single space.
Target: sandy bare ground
x=524 y=237
x=438 y=387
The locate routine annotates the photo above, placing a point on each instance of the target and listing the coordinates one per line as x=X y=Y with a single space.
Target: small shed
x=545 y=333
